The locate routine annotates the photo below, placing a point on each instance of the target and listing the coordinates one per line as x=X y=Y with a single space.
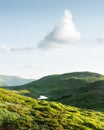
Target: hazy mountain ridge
x=13 y=80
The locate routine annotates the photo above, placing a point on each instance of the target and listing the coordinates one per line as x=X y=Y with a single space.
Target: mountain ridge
x=6 y=80
x=63 y=88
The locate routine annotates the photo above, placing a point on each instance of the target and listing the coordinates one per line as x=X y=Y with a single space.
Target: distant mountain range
x=13 y=80
x=81 y=89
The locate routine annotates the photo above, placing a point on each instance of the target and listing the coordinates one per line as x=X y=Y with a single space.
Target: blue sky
x=39 y=38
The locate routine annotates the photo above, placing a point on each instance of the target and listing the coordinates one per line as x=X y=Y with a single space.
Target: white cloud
x=33 y=71
x=100 y=39
x=22 y=49
x=64 y=33
x=25 y=67
x=4 y=48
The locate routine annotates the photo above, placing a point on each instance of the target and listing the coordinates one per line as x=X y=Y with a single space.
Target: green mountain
x=70 y=89
x=13 y=80
x=25 y=113
x=91 y=96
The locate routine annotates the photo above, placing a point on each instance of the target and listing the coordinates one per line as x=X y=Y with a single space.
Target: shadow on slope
x=90 y=96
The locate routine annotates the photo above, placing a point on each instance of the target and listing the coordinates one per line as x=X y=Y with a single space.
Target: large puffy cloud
x=64 y=33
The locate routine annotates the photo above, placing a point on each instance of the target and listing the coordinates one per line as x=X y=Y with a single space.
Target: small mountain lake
x=42 y=97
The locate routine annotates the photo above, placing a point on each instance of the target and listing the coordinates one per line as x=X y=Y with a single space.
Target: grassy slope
x=24 y=113
x=91 y=96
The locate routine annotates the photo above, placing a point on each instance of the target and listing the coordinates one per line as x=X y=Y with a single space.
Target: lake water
x=42 y=97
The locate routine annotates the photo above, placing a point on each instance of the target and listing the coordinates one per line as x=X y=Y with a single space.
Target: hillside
x=13 y=80
x=24 y=113
x=91 y=96
x=60 y=87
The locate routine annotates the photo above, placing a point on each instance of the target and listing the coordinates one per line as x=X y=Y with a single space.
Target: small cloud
x=22 y=49
x=100 y=39
x=25 y=67
x=4 y=48
x=64 y=33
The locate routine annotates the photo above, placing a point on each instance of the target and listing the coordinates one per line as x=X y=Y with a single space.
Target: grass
x=91 y=96
x=24 y=113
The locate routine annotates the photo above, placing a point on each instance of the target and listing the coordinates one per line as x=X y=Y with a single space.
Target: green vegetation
x=91 y=96
x=71 y=89
x=25 y=113
x=55 y=85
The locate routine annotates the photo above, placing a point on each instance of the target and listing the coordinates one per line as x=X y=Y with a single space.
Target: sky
x=39 y=38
